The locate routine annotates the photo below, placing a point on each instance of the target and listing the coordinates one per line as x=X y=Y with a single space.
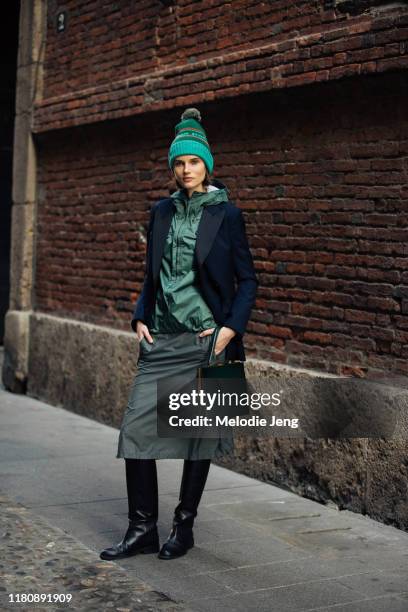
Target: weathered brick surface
x=322 y=178
x=120 y=59
x=105 y=41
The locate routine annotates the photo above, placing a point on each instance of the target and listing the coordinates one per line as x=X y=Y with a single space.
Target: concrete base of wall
x=83 y=367
x=365 y=475
x=16 y=343
x=88 y=369
x=361 y=475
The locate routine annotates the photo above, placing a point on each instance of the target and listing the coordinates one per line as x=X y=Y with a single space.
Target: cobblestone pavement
x=39 y=558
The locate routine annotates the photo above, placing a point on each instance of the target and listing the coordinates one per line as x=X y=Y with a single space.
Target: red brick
x=385 y=304
x=319 y=337
x=280 y=332
x=355 y=371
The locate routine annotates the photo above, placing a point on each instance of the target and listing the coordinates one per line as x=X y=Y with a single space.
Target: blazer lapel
x=161 y=228
x=208 y=227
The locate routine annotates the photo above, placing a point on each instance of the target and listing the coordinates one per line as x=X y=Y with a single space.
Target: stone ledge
x=85 y=368
x=363 y=475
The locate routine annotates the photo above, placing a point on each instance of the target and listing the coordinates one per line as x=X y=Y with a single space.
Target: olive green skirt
x=169 y=355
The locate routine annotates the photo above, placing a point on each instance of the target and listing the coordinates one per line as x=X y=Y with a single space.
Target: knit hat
x=191 y=139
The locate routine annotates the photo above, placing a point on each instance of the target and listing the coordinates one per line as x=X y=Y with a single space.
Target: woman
x=199 y=276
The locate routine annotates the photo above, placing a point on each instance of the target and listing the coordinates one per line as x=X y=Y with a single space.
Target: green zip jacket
x=179 y=304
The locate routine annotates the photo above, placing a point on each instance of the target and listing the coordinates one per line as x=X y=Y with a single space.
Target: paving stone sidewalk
x=258 y=547
x=38 y=558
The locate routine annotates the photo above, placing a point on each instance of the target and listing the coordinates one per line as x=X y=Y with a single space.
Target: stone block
x=16 y=342
x=83 y=367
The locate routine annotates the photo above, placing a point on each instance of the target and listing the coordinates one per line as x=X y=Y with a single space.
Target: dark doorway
x=8 y=63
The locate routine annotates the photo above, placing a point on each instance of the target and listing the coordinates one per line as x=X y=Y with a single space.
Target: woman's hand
x=224 y=336
x=142 y=331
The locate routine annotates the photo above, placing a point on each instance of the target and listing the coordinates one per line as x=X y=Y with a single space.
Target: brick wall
x=95 y=187
x=105 y=41
x=123 y=58
x=321 y=174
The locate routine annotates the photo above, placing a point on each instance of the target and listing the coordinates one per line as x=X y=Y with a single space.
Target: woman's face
x=190 y=172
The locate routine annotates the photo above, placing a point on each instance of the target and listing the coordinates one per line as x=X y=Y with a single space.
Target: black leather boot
x=193 y=482
x=141 y=535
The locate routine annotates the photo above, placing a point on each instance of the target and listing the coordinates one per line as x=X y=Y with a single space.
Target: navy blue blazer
x=224 y=263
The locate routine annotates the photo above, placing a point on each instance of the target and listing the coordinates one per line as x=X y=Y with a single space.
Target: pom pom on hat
x=191 y=113
x=191 y=139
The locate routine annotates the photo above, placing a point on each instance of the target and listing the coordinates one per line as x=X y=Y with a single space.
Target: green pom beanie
x=191 y=139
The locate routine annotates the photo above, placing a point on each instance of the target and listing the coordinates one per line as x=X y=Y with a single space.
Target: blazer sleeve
x=244 y=272
x=140 y=307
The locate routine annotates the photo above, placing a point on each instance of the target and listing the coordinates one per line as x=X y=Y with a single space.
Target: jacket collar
x=167 y=206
